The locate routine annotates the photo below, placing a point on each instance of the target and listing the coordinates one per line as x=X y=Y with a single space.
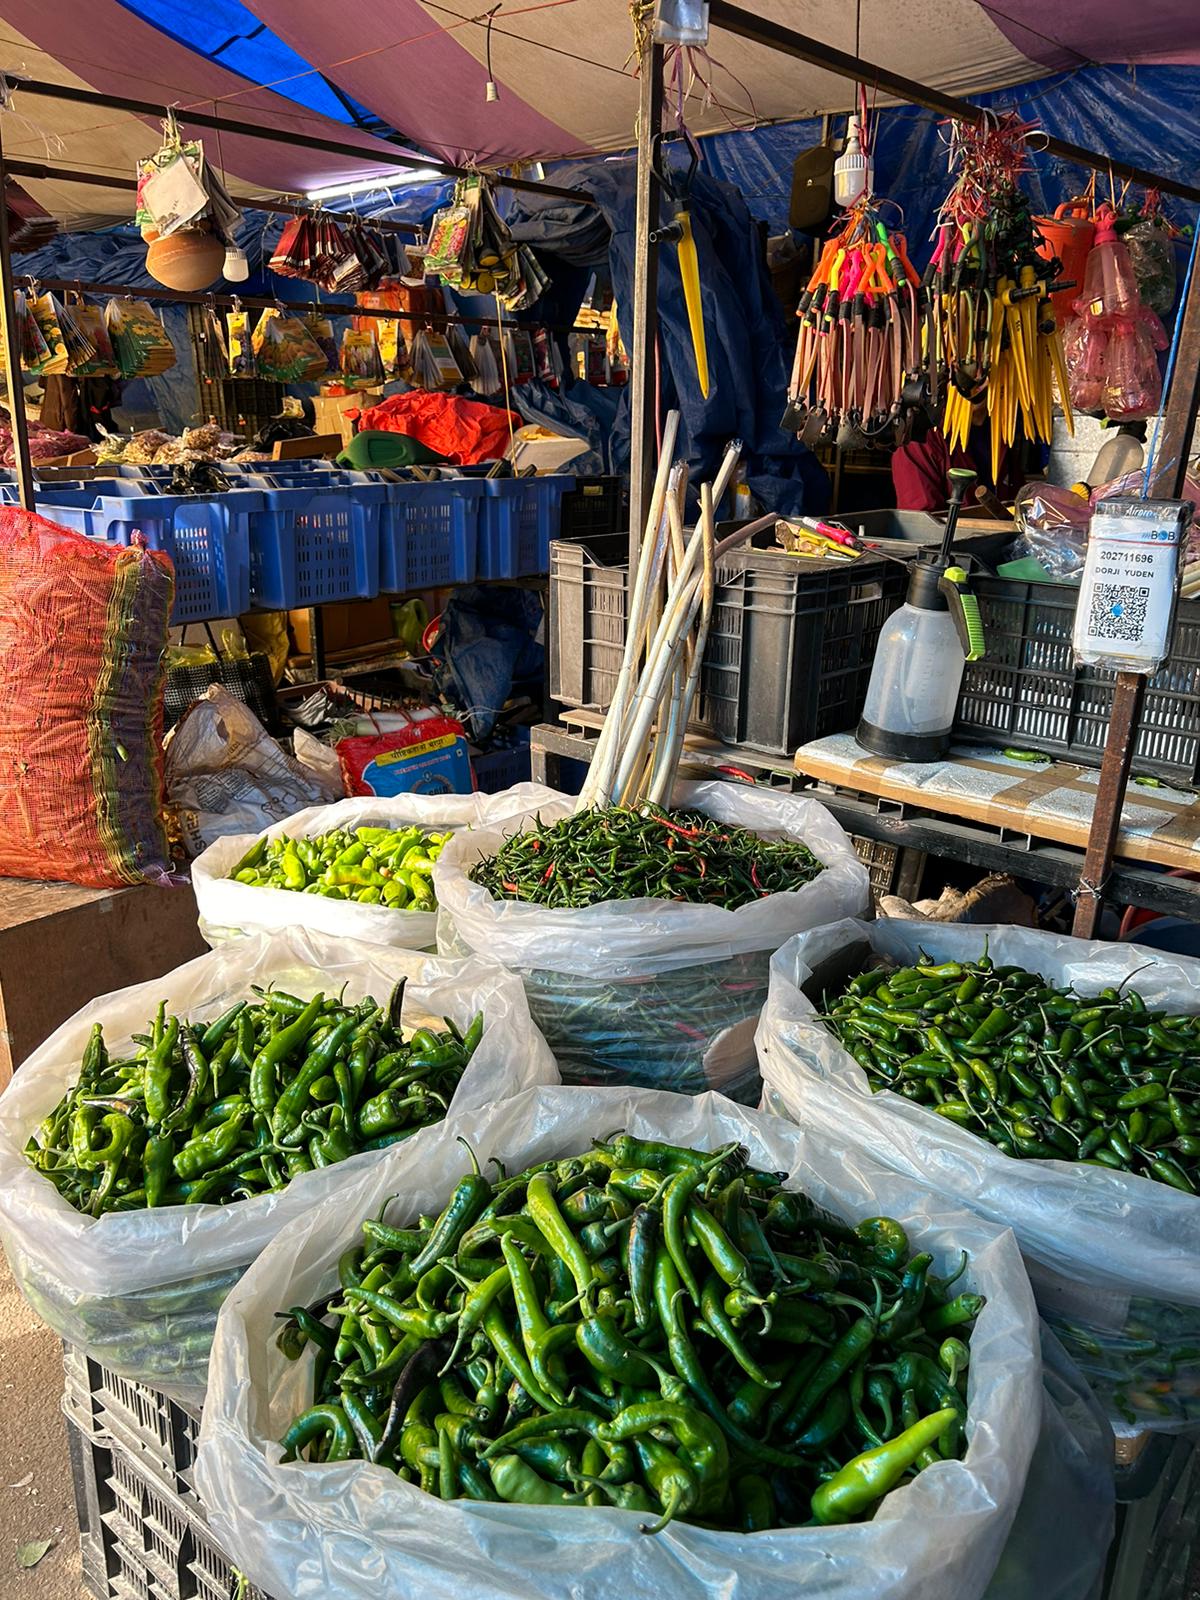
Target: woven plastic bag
x=83 y=634
x=1114 y=1259
x=228 y=908
x=140 y=1290
x=653 y=992
x=357 y=1531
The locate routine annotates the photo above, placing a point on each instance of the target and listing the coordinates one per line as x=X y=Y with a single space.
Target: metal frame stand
x=1179 y=412
x=12 y=349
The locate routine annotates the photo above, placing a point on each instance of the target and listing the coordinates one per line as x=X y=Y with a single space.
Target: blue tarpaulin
x=1147 y=116
x=746 y=339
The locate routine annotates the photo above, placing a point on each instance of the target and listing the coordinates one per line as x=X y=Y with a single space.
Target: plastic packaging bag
x=226 y=775
x=1054 y=526
x=653 y=992
x=140 y=1290
x=357 y=1531
x=1070 y=1485
x=82 y=645
x=1114 y=1259
x=228 y=908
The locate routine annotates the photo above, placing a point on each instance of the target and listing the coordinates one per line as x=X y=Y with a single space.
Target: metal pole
x=1169 y=472
x=12 y=349
x=749 y=25
x=643 y=436
x=277 y=206
x=250 y=302
x=379 y=154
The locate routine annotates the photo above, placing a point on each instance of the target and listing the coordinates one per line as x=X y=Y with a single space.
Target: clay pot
x=190 y=259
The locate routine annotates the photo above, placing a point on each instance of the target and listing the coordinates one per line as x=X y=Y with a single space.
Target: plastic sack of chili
x=653 y=992
x=140 y=1290
x=228 y=908
x=83 y=634
x=1114 y=1259
x=357 y=1530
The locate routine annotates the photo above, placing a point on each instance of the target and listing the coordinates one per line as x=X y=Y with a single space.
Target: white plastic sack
x=228 y=908
x=653 y=992
x=226 y=775
x=356 y=1531
x=1114 y=1259
x=140 y=1290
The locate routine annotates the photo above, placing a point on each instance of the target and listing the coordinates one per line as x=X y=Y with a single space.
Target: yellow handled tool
x=677 y=188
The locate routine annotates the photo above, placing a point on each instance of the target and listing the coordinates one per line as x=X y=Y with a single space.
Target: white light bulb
x=236 y=268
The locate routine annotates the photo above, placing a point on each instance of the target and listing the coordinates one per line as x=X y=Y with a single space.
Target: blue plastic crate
x=207 y=539
x=517 y=521
x=430 y=534
x=309 y=546
x=501 y=769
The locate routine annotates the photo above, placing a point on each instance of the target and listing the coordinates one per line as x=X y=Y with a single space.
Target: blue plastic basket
x=207 y=539
x=517 y=521
x=430 y=534
x=309 y=546
x=502 y=769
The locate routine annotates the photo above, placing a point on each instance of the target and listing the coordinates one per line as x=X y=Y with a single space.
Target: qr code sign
x=1119 y=612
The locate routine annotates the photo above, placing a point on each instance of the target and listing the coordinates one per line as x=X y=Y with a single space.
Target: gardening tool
x=677 y=189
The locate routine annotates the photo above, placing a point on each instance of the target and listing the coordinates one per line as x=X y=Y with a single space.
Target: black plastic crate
x=138 y=1540
x=789 y=650
x=152 y=1429
x=589 y=600
x=595 y=506
x=1028 y=693
x=880 y=860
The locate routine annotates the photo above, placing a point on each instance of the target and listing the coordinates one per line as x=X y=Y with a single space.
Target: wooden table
x=1028 y=818
x=61 y=946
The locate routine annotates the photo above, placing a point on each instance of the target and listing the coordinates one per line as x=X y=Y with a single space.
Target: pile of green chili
x=624 y=853
x=236 y=1107
x=373 y=866
x=1037 y=1070
x=644 y=1326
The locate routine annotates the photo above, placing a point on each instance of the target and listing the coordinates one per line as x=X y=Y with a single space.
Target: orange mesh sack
x=83 y=631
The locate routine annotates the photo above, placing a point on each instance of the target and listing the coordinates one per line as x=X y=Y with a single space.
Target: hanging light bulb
x=491 y=94
x=237 y=267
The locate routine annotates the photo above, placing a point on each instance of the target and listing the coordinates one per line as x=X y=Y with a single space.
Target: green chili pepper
x=868 y=1477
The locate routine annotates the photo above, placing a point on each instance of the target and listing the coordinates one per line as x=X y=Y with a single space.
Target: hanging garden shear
x=677 y=188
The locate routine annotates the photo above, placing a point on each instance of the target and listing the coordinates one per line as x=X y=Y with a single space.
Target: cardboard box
x=347 y=627
x=329 y=411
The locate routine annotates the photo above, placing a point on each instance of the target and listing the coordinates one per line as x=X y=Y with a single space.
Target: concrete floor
x=36 y=1500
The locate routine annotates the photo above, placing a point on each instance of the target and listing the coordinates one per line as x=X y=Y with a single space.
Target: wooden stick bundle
x=669 y=615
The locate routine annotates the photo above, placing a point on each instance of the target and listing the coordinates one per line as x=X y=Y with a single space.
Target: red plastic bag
x=464 y=431
x=83 y=634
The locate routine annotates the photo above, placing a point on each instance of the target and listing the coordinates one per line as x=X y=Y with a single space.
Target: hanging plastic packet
x=360 y=362
x=487 y=365
x=387 y=334
x=240 y=348
x=434 y=362
x=320 y=327
x=45 y=313
x=141 y=347
x=285 y=351
x=88 y=334
x=1151 y=246
x=447 y=242
x=291 y=255
x=522 y=366
x=547 y=359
